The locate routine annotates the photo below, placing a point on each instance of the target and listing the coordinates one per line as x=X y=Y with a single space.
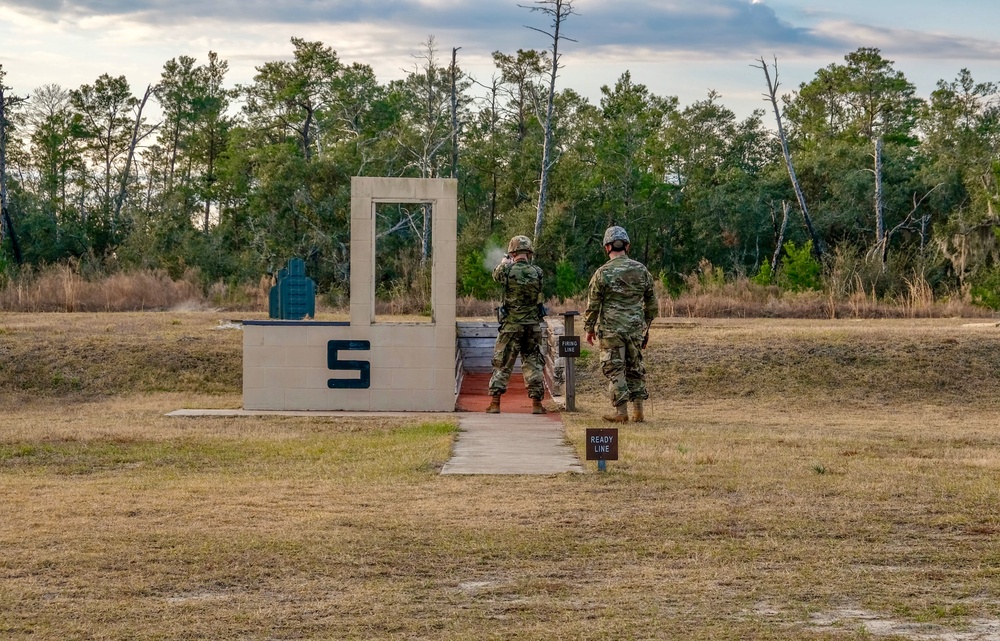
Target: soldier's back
x=524 y=289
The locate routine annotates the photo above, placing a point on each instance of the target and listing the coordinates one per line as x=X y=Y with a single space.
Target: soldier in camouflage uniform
x=520 y=329
x=621 y=305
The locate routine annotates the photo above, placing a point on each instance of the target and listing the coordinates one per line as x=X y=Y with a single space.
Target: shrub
x=62 y=288
x=568 y=282
x=764 y=276
x=473 y=277
x=707 y=278
x=986 y=289
x=800 y=271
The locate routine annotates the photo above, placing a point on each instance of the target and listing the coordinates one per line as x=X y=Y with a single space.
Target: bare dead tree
x=881 y=241
x=432 y=130
x=491 y=101
x=881 y=247
x=136 y=138
x=772 y=96
x=407 y=220
x=454 y=112
x=785 y=209
x=883 y=235
x=558 y=11
x=6 y=224
x=4 y=228
x=879 y=199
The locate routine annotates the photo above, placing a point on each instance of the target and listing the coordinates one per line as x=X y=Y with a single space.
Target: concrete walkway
x=515 y=441
x=511 y=444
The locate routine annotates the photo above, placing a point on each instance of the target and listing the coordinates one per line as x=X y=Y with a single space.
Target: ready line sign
x=602 y=444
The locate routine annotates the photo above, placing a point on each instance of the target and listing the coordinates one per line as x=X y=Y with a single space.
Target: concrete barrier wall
x=364 y=365
x=286 y=366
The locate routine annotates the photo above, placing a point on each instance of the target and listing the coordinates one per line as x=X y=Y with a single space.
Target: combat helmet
x=615 y=233
x=520 y=244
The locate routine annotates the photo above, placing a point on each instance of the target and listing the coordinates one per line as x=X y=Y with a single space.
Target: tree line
x=852 y=169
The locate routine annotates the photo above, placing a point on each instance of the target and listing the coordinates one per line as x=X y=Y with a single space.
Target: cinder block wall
x=411 y=366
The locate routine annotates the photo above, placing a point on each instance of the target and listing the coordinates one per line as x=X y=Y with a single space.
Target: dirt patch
x=880 y=626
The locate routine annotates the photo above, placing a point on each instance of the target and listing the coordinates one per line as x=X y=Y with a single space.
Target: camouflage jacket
x=620 y=297
x=522 y=291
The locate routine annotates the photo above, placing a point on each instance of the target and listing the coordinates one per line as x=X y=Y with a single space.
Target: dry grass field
x=798 y=480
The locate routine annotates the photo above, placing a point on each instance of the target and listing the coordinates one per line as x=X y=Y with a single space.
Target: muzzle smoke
x=493 y=257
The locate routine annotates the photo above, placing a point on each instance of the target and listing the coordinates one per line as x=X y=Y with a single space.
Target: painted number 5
x=334 y=363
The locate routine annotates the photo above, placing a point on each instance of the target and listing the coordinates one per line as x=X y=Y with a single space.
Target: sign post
x=602 y=446
x=569 y=349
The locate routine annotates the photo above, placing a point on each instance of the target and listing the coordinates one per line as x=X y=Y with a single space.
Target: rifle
x=502 y=311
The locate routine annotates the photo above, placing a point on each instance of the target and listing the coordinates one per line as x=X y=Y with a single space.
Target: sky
x=682 y=48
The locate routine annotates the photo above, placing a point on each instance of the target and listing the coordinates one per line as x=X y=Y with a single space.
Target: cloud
x=712 y=28
x=911 y=43
x=715 y=27
x=718 y=26
x=236 y=12
x=80 y=38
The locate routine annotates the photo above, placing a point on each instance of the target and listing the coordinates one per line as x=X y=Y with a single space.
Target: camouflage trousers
x=621 y=363
x=513 y=340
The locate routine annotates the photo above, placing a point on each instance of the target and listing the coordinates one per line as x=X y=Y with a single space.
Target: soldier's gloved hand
x=590 y=338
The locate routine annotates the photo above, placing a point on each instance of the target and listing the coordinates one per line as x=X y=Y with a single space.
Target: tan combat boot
x=637 y=415
x=494 y=407
x=620 y=415
x=536 y=406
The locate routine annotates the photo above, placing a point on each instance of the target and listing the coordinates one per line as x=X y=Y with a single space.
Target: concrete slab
x=511 y=444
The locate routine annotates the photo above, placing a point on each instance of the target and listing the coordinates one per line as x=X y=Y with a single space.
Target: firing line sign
x=569 y=346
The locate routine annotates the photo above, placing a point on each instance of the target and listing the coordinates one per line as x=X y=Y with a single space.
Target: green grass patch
x=350 y=454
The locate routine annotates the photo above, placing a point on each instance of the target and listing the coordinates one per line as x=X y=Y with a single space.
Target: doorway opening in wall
x=403 y=262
